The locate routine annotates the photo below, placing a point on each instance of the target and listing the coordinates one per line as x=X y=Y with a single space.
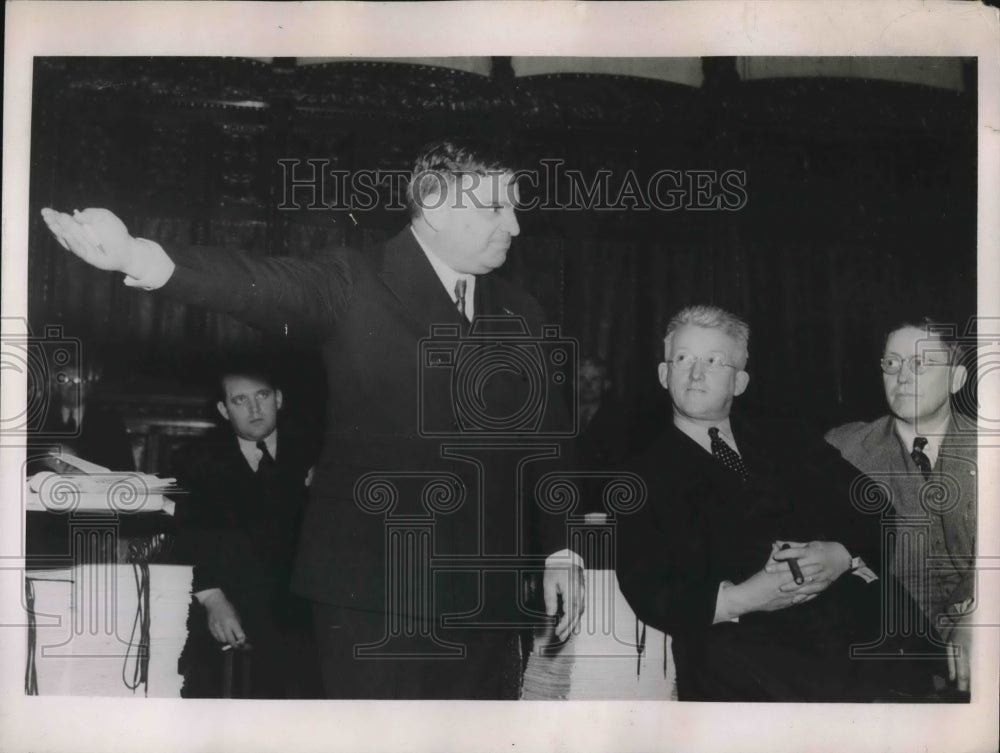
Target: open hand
x=95 y=235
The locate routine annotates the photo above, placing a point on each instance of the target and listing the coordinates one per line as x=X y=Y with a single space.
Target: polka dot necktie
x=920 y=458
x=727 y=455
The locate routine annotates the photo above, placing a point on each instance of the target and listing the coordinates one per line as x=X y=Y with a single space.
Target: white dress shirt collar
x=699 y=432
x=449 y=277
x=933 y=433
x=253 y=455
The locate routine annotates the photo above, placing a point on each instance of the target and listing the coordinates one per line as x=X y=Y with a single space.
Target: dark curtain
x=860 y=205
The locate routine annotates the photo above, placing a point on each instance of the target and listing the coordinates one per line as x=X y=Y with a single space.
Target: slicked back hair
x=440 y=163
x=935 y=328
x=258 y=372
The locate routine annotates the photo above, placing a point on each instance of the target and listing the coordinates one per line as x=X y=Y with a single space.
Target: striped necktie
x=460 y=287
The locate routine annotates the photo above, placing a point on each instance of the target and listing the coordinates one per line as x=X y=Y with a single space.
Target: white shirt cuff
x=722 y=614
x=150 y=268
x=562 y=558
x=202 y=595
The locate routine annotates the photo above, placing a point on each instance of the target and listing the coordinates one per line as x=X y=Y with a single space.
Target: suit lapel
x=883 y=449
x=772 y=466
x=408 y=275
x=490 y=300
x=237 y=460
x=697 y=472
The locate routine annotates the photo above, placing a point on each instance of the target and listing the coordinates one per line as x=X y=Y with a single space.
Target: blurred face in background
x=593 y=382
x=71 y=385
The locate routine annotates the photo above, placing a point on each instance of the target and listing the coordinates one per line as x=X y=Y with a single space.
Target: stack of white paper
x=84 y=638
x=100 y=492
x=602 y=661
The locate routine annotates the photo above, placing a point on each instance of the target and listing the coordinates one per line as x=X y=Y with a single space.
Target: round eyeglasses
x=893 y=364
x=714 y=361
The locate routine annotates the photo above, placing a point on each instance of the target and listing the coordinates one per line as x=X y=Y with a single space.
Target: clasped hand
x=821 y=563
x=773 y=587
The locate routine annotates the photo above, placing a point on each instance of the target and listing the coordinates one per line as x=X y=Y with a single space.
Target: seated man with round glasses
x=750 y=551
x=924 y=451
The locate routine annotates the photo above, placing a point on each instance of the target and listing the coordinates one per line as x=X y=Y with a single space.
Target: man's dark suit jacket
x=701 y=525
x=369 y=313
x=239 y=530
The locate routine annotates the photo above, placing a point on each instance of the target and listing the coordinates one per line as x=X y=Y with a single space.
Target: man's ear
x=661 y=371
x=742 y=380
x=223 y=411
x=958 y=376
x=278 y=398
x=430 y=210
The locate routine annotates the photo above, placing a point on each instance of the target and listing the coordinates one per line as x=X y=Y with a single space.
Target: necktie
x=727 y=455
x=923 y=462
x=460 y=286
x=266 y=464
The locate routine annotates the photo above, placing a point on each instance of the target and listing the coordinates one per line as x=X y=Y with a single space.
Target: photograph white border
x=348 y=29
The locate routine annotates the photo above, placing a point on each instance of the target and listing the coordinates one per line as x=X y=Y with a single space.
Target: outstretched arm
x=101 y=239
x=297 y=297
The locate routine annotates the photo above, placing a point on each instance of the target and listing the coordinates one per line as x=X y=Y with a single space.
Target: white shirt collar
x=699 y=432
x=449 y=277
x=249 y=448
x=933 y=433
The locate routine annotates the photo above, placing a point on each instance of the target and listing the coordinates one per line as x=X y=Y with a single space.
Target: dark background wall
x=860 y=203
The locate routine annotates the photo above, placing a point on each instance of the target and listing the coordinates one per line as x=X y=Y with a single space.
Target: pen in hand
x=793 y=565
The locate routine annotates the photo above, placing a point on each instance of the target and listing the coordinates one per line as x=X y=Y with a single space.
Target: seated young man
x=922 y=445
x=705 y=559
x=239 y=526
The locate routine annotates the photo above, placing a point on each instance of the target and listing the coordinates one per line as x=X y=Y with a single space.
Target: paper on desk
x=95 y=489
x=84 y=466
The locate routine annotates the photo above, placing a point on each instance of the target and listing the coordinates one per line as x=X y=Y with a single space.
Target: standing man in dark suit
x=238 y=525
x=924 y=445
x=704 y=561
x=445 y=622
